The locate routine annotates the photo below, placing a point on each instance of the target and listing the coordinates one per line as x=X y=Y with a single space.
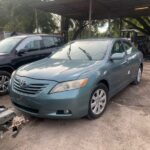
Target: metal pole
x=90 y=17
x=120 y=27
x=109 y=27
x=36 y=20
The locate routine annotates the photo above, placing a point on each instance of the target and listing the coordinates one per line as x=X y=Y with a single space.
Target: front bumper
x=52 y=105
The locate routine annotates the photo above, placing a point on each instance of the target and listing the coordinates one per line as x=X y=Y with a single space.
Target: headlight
x=13 y=73
x=71 y=85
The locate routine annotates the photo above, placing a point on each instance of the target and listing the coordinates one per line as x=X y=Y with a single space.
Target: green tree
x=18 y=16
x=140 y=23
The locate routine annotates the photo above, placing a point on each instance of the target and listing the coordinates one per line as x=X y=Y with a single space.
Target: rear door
x=58 y=41
x=132 y=58
x=49 y=45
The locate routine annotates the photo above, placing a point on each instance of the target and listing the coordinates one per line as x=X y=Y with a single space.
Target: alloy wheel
x=98 y=102
x=4 y=81
x=139 y=75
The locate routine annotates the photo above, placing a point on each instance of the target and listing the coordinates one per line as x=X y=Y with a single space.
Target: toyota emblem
x=23 y=84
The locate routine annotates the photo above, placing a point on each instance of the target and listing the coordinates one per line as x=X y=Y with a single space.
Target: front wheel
x=4 y=82
x=138 y=77
x=98 y=102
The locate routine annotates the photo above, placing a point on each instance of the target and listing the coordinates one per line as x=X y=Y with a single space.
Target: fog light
x=63 y=112
x=67 y=111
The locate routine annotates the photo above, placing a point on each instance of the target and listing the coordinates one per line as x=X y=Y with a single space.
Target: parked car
x=20 y=50
x=78 y=80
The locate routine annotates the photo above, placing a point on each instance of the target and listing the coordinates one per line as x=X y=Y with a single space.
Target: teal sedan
x=78 y=80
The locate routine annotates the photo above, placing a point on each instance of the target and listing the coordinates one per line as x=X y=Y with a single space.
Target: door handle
x=124 y=62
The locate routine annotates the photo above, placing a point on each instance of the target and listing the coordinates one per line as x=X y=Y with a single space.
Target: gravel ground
x=124 y=126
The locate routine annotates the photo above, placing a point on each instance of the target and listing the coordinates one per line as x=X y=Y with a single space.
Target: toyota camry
x=78 y=80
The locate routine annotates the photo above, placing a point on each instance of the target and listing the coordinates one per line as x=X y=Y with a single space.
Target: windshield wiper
x=68 y=53
x=87 y=54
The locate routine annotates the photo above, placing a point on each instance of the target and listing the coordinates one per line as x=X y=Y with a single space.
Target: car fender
x=95 y=77
x=7 y=68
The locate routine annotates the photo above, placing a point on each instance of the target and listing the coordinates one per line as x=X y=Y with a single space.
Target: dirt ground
x=124 y=126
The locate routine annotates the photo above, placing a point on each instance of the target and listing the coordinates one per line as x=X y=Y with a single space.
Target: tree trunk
x=78 y=32
x=65 y=28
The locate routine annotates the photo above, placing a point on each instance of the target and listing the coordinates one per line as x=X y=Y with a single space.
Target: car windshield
x=7 y=45
x=83 y=50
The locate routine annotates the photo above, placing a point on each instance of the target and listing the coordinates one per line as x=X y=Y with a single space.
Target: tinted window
x=128 y=47
x=48 y=42
x=30 y=44
x=58 y=41
x=7 y=45
x=33 y=45
x=83 y=50
x=118 y=47
x=55 y=39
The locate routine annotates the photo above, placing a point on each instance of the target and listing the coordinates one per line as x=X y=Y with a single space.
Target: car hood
x=4 y=58
x=1 y=54
x=57 y=70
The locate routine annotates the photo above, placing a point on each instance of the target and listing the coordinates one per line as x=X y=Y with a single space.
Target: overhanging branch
x=136 y=27
x=143 y=23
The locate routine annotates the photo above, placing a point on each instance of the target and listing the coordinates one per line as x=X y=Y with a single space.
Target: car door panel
x=133 y=60
x=117 y=75
x=23 y=59
x=118 y=72
x=48 y=46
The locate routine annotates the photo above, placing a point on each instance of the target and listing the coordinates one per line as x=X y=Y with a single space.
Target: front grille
x=31 y=88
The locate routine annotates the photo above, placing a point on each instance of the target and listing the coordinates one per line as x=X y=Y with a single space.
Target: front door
x=118 y=72
x=32 y=47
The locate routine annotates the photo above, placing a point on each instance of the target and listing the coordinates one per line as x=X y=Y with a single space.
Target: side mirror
x=118 y=56
x=22 y=51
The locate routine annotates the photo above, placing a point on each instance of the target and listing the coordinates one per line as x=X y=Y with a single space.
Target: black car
x=20 y=50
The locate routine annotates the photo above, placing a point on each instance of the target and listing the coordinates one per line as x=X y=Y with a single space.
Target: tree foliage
x=140 y=23
x=17 y=15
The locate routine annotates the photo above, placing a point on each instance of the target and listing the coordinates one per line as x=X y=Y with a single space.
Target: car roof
x=101 y=39
x=33 y=35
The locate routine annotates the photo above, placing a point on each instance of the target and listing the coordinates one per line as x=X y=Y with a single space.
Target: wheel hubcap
x=98 y=101
x=139 y=75
x=4 y=81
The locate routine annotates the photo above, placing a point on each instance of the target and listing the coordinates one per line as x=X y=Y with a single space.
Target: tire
x=99 y=102
x=138 y=77
x=4 y=82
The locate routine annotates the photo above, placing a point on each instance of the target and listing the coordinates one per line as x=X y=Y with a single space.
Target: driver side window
x=30 y=44
x=118 y=48
x=33 y=45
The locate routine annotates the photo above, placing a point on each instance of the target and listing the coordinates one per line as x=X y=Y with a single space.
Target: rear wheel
x=138 y=77
x=4 y=82
x=98 y=102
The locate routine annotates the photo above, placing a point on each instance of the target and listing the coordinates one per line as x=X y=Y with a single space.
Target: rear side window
x=118 y=48
x=128 y=47
x=48 y=42
x=58 y=41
